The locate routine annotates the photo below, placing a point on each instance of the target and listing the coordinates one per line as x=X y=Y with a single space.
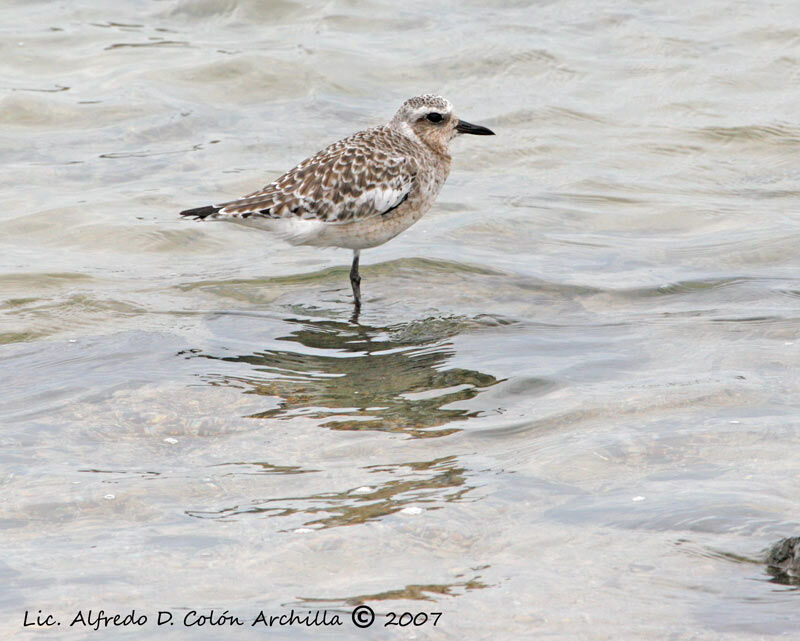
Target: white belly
x=362 y=234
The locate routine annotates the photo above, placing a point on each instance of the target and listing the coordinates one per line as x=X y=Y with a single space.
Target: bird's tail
x=199 y=213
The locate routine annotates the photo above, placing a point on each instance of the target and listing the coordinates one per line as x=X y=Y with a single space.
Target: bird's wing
x=345 y=183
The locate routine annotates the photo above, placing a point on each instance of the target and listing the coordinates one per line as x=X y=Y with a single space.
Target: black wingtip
x=199 y=213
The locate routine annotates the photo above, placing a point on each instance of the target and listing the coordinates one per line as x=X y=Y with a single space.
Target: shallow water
x=569 y=407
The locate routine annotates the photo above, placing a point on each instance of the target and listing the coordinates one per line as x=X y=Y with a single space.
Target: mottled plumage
x=358 y=192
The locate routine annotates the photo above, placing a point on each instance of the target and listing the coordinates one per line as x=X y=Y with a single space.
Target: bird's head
x=432 y=120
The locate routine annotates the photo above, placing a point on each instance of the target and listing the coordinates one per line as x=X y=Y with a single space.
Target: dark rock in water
x=783 y=561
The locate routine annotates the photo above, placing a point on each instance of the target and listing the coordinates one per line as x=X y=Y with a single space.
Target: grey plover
x=361 y=191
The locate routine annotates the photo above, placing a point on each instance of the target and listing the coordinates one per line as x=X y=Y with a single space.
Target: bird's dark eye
x=434 y=117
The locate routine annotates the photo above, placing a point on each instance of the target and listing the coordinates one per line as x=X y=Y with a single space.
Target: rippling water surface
x=569 y=407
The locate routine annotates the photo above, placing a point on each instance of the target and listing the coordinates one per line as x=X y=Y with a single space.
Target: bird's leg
x=355 y=280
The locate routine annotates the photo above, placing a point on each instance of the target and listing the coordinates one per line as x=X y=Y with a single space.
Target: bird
x=358 y=192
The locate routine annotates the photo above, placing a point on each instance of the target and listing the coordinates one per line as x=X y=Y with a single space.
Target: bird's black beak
x=464 y=127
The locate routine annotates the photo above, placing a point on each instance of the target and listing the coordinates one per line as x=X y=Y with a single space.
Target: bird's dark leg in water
x=355 y=280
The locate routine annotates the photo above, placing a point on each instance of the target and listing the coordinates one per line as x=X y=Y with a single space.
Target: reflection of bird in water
x=396 y=486
x=361 y=191
x=361 y=377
